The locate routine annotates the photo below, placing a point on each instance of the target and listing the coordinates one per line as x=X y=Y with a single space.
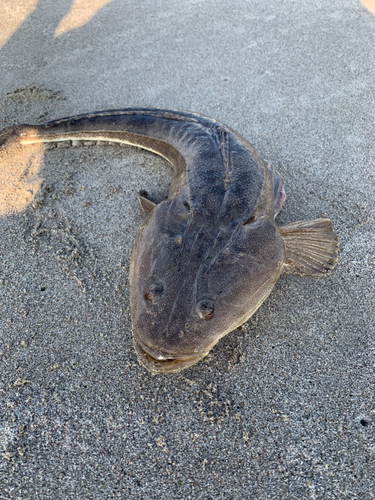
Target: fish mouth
x=168 y=363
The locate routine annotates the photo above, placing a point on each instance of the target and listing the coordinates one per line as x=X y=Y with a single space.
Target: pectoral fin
x=311 y=247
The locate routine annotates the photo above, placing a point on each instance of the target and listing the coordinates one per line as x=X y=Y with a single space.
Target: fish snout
x=160 y=360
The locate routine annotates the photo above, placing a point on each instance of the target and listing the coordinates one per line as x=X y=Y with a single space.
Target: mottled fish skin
x=209 y=255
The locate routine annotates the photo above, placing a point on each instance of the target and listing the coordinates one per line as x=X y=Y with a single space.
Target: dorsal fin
x=147 y=205
x=279 y=195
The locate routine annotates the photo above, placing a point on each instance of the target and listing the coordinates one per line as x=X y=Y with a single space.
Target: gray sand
x=282 y=408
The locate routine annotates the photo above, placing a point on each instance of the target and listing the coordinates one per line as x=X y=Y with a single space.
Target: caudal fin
x=311 y=247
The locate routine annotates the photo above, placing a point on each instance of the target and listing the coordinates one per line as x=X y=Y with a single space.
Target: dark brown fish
x=208 y=256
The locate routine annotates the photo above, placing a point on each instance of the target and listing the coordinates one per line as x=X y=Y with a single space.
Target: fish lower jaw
x=163 y=364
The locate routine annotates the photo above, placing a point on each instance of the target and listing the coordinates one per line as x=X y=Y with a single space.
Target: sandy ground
x=282 y=408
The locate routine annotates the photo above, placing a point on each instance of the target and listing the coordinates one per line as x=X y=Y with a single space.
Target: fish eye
x=205 y=308
x=154 y=293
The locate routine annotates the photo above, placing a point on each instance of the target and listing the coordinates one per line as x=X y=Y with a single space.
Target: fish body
x=208 y=256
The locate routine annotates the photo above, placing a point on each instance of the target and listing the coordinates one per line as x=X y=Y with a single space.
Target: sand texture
x=284 y=407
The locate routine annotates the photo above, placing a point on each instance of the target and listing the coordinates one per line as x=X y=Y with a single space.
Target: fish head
x=193 y=281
